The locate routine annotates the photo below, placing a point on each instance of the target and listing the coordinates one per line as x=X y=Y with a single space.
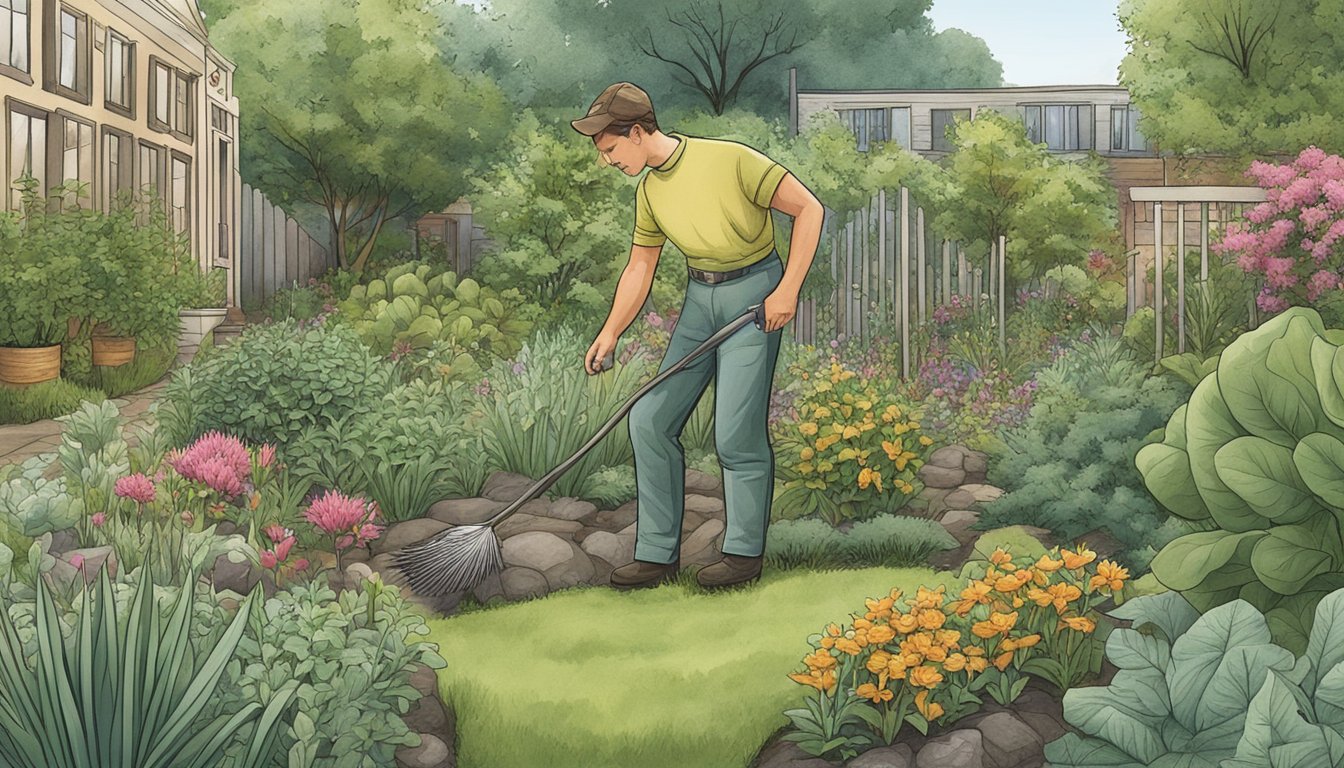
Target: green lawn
x=673 y=676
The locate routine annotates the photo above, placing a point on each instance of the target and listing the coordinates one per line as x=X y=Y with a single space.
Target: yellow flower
x=1080 y=623
x=806 y=468
x=822 y=412
x=930 y=712
x=977 y=663
x=873 y=693
x=975 y=593
x=955 y=662
x=1062 y=595
x=850 y=431
x=877 y=663
x=925 y=677
x=879 y=610
x=1007 y=584
x=1078 y=559
x=822 y=681
x=925 y=440
x=847 y=645
x=823 y=386
x=1110 y=576
x=1048 y=565
x=1000 y=557
x=825 y=442
x=997 y=623
x=905 y=623
x=1028 y=641
x=807 y=453
x=948 y=638
x=808 y=428
x=1002 y=661
x=819 y=660
x=881 y=634
x=931 y=618
x=930 y=598
x=900 y=429
x=867 y=475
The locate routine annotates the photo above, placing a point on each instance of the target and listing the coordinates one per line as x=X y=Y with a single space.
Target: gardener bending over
x=712 y=198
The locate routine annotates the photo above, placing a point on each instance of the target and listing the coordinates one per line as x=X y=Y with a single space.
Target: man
x=712 y=199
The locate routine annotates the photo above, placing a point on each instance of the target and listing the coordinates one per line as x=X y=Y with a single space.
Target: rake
x=463 y=556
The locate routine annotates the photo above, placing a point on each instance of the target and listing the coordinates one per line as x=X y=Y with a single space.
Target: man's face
x=624 y=152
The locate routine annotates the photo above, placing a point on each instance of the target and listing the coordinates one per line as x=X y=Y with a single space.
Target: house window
x=942 y=120
x=1061 y=127
x=68 y=66
x=27 y=150
x=181 y=193
x=877 y=125
x=1125 y=134
x=77 y=158
x=120 y=66
x=171 y=95
x=118 y=159
x=14 y=39
x=151 y=169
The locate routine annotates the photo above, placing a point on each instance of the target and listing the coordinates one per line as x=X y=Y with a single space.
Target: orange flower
x=925 y=677
x=1007 y=584
x=930 y=711
x=878 y=610
x=975 y=593
x=1002 y=559
x=873 y=693
x=1109 y=576
x=1002 y=661
x=926 y=598
x=1048 y=565
x=998 y=623
x=931 y=619
x=1028 y=641
x=977 y=663
x=848 y=646
x=955 y=662
x=904 y=623
x=881 y=634
x=828 y=639
x=948 y=638
x=819 y=660
x=1039 y=577
x=1061 y=595
x=1078 y=559
x=822 y=681
x=877 y=663
x=1023 y=576
x=1079 y=623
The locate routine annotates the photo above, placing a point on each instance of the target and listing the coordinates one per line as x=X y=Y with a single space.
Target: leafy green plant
x=127 y=695
x=1188 y=367
x=832 y=722
x=611 y=486
x=274 y=380
x=43 y=280
x=351 y=656
x=1258 y=453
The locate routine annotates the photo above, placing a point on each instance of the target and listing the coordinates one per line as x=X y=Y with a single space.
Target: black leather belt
x=719 y=277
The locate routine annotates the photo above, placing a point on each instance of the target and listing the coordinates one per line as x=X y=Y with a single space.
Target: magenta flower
x=98 y=519
x=219 y=461
x=136 y=487
x=266 y=456
x=335 y=513
x=268 y=559
x=276 y=532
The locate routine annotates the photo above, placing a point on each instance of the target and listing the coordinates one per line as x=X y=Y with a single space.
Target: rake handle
x=756 y=313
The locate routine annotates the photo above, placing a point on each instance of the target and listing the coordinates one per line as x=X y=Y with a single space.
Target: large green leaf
x=1319 y=459
x=1277 y=736
x=1290 y=556
x=1168 y=611
x=1263 y=474
x=1189 y=560
x=1166 y=475
x=1327 y=363
x=1074 y=751
x=1289 y=358
x=1261 y=401
x=1325 y=648
x=1128 y=713
x=1208 y=427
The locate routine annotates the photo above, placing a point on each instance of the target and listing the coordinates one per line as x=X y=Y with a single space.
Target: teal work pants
x=743 y=368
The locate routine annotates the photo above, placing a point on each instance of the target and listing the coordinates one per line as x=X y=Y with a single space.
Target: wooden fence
x=890 y=270
x=273 y=250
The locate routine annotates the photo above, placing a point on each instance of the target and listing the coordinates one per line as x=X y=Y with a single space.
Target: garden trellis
x=882 y=274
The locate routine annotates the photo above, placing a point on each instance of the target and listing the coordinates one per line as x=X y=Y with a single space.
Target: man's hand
x=604 y=345
x=780 y=307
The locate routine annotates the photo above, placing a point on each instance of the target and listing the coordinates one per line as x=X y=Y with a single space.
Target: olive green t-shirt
x=711 y=198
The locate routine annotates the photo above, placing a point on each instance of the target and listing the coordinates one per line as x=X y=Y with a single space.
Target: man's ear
x=637 y=133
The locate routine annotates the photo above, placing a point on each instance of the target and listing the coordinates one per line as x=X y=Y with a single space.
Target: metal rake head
x=455 y=560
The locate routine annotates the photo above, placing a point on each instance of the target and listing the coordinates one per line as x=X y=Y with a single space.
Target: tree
x=1236 y=76
x=348 y=104
x=1052 y=210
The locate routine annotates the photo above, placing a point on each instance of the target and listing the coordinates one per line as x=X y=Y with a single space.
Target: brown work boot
x=643 y=574
x=731 y=570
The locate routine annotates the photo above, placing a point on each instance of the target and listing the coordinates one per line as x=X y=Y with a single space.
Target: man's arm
x=631 y=291
x=796 y=200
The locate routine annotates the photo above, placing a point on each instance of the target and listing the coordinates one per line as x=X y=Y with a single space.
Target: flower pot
x=22 y=366
x=193 y=325
x=113 y=350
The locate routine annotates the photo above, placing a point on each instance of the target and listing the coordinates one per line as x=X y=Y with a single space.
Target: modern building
x=1070 y=120
x=123 y=95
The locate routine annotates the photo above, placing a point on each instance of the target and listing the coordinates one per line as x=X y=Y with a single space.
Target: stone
x=426 y=716
x=506 y=486
x=578 y=569
x=472 y=511
x=703 y=483
x=583 y=533
x=981 y=492
x=958 y=522
x=521 y=522
x=958 y=749
x=947 y=457
x=425 y=680
x=941 y=477
x=406 y=533
x=896 y=756
x=975 y=463
x=690 y=520
x=618 y=518
x=787 y=754
x=959 y=498
x=490 y=587
x=629 y=530
x=355 y=572
x=228 y=575
x=700 y=548
x=1045 y=726
x=431 y=753
x=1008 y=742
x=569 y=508
x=707 y=506
x=91 y=561
x=536 y=549
x=63 y=540
x=613 y=549
x=519 y=583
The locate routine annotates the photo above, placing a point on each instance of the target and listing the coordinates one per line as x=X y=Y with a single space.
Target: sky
x=1042 y=42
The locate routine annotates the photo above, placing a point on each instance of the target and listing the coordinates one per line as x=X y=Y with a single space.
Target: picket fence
x=274 y=252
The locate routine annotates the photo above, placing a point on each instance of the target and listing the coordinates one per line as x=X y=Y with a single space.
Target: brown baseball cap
x=619 y=103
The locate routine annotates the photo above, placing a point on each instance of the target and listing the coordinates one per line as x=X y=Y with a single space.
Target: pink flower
x=276 y=532
x=98 y=519
x=301 y=564
x=187 y=518
x=135 y=487
x=268 y=559
x=334 y=513
x=654 y=320
x=266 y=456
x=77 y=561
x=219 y=461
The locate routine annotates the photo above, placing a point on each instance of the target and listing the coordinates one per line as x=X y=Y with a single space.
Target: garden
x=1060 y=554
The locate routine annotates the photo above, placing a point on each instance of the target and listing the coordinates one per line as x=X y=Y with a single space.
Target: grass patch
x=24 y=405
x=661 y=678
x=148 y=366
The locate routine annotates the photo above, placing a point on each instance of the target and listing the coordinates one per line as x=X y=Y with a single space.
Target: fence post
x=963 y=272
x=919 y=258
x=1157 y=272
x=1204 y=240
x=947 y=270
x=849 y=277
x=1180 y=278
x=883 y=295
x=904 y=269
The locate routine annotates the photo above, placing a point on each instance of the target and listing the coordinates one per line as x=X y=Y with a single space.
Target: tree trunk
x=367 y=249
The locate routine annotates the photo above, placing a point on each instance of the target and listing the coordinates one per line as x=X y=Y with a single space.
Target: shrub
x=611 y=487
x=273 y=381
x=925 y=665
x=962 y=404
x=1070 y=466
x=852 y=453
x=43 y=275
x=1256 y=454
x=1208 y=690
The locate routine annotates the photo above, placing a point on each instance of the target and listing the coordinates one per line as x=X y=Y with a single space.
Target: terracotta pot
x=113 y=350
x=22 y=366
